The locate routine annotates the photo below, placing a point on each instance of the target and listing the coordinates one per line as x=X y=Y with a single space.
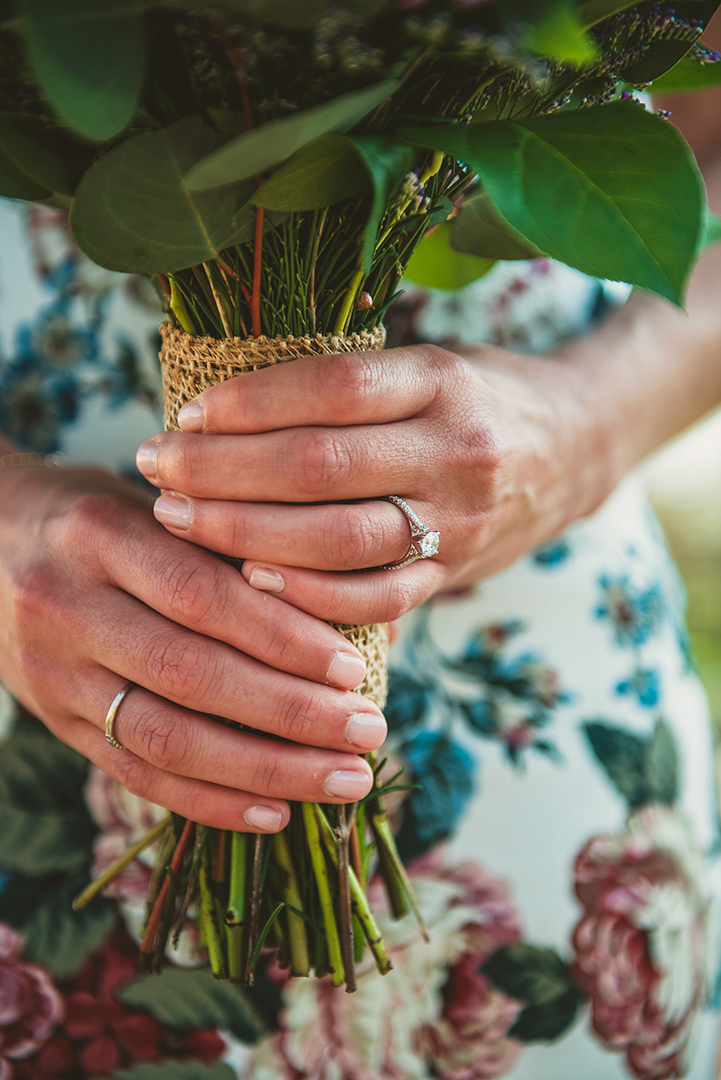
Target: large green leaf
x=38 y=160
x=192 y=998
x=132 y=213
x=387 y=162
x=178 y=1070
x=542 y=981
x=88 y=58
x=612 y=191
x=595 y=11
x=663 y=52
x=322 y=173
x=478 y=230
x=643 y=770
x=46 y=826
x=688 y=74
x=436 y=265
x=256 y=151
x=56 y=937
x=712 y=230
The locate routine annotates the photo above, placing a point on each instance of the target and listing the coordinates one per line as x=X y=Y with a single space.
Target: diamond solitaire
x=424 y=540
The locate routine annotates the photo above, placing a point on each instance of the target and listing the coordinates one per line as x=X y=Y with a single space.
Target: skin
x=96 y=590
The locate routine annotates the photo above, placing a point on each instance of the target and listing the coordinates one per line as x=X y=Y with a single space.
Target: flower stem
x=235 y=916
x=346 y=913
x=311 y=815
x=255 y=902
x=211 y=932
x=148 y=942
x=119 y=865
x=348 y=300
x=297 y=939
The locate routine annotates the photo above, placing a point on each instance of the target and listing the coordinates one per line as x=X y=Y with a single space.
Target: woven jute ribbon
x=192 y=364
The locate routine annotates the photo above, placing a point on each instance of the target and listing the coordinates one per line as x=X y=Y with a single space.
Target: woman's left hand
x=287 y=468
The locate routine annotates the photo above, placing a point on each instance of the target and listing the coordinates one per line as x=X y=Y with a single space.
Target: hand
x=93 y=593
x=494 y=451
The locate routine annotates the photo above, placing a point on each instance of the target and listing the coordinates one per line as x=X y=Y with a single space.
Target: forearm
x=651 y=369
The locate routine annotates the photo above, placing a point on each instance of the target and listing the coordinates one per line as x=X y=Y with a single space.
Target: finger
x=345 y=536
x=296 y=465
x=188 y=744
x=209 y=677
x=204 y=594
x=348 y=388
x=380 y=596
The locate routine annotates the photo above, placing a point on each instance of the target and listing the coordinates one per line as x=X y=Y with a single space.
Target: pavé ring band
x=424 y=540
x=113 y=712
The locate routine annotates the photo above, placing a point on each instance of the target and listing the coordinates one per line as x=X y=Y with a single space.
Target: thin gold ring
x=113 y=712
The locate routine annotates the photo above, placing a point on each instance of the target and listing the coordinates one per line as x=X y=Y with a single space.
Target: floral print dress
x=562 y=832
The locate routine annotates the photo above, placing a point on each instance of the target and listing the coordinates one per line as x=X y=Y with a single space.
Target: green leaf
x=612 y=191
x=256 y=151
x=191 y=998
x=57 y=937
x=132 y=213
x=661 y=764
x=44 y=159
x=623 y=756
x=547 y=1022
x=178 y=1070
x=560 y=34
x=479 y=230
x=46 y=825
x=287 y=13
x=387 y=163
x=436 y=265
x=595 y=11
x=542 y=981
x=688 y=74
x=88 y=58
x=663 y=53
x=322 y=173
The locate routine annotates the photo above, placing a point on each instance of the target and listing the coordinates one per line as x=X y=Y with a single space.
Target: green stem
x=208 y=918
x=348 y=301
x=311 y=817
x=359 y=901
x=298 y=941
x=346 y=913
x=119 y=865
x=389 y=853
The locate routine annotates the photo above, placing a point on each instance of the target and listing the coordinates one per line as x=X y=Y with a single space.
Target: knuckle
x=323 y=459
x=353 y=378
x=401 y=597
x=134 y=774
x=269 y=775
x=180 y=666
x=300 y=716
x=88 y=523
x=192 y=587
x=351 y=539
x=162 y=743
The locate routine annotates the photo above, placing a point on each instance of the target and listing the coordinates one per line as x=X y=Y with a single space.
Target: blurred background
x=686 y=492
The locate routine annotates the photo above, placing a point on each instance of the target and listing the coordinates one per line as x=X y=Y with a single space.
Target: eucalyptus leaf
x=712 y=230
x=560 y=34
x=256 y=151
x=688 y=74
x=49 y=159
x=132 y=213
x=191 y=998
x=479 y=230
x=436 y=265
x=322 y=173
x=613 y=191
x=88 y=58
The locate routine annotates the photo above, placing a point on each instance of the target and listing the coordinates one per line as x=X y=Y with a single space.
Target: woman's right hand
x=95 y=593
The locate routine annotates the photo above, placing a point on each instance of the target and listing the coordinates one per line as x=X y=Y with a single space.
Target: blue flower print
x=445 y=774
x=643 y=684
x=636 y=614
x=552 y=554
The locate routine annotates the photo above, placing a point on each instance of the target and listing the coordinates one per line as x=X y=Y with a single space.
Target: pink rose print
x=30 y=1006
x=642 y=943
x=436 y=1017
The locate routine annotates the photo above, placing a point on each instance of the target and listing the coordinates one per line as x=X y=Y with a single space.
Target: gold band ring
x=113 y=712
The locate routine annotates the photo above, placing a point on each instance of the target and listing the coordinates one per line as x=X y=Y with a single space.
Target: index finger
x=342 y=389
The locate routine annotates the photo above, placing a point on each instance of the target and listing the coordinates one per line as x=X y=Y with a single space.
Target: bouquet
x=277 y=167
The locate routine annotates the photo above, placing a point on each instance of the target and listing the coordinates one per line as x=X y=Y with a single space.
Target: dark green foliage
x=177 y=1070
x=542 y=981
x=643 y=770
x=479 y=230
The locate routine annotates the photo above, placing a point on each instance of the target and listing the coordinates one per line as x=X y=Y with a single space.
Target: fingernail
x=192 y=417
x=263 y=817
x=147 y=460
x=346 y=670
x=367 y=730
x=175 y=510
x=266 y=580
x=347 y=784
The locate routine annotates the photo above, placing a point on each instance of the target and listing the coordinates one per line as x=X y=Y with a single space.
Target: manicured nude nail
x=366 y=730
x=263 y=817
x=192 y=417
x=347 y=784
x=174 y=510
x=266 y=580
x=347 y=670
x=147 y=460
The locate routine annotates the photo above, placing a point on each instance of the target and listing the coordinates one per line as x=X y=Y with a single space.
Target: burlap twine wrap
x=192 y=364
